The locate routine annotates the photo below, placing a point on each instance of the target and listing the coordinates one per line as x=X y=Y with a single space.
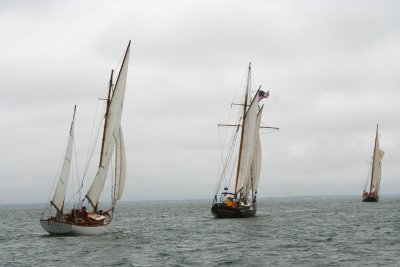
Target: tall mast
x=373 y=160
x=241 y=136
x=106 y=114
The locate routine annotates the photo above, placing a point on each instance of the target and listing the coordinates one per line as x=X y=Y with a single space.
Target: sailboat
x=375 y=179
x=240 y=201
x=79 y=220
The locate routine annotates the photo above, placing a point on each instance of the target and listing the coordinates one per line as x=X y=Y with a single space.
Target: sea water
x=306 y=231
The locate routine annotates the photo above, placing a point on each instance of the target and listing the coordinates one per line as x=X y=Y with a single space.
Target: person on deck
x=84 y=213
x=230 y=203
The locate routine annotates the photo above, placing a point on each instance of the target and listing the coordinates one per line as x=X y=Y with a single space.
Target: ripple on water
x=286 y=232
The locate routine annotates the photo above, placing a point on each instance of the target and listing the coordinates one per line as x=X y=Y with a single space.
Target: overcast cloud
x=332 y=68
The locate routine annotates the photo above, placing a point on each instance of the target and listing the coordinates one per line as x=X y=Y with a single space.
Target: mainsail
x=376 y=165
x=249 y=134
x=59 y=193
x=111 y=132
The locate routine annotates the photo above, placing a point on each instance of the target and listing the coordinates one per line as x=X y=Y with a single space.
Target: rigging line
x=368 y=177
x=119 y=64
x=93 y=141
x=61 y=161
x=252 y=82
x=264 y=132
x=229 y=152
x=226 y=139
x=239 y=88
x=222 y=149
x=90 y=142
x=233 y=138
x=223 y=145
x=232 y=169
x=228 y=161
x=221 y=168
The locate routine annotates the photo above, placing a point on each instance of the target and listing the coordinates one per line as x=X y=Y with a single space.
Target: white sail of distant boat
x=375 y=180
x=242 y=201
x=79 y=220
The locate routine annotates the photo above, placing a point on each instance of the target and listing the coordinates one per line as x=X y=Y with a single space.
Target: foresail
x=111 y=131
x=120 y=167
x=59 y=193
x=250 y=132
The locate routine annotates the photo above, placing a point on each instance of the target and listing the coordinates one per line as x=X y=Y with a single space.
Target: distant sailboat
x=242 y=201
x=375 y=180
x=79 y=220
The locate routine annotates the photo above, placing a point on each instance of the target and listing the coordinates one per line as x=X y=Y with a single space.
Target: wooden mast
x=241 y=137
x=106 y=115
x=105 y=124
x=373 y=160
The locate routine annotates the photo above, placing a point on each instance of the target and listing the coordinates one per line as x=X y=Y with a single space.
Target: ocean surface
x=304 y=231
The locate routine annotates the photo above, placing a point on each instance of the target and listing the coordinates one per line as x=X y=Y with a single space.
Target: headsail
x=111 y=132
x=59 y=193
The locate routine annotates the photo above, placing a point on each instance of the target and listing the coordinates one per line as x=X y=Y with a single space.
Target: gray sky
x=332 y=68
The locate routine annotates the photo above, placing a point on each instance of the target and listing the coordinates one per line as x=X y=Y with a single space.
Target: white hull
x=64 y=228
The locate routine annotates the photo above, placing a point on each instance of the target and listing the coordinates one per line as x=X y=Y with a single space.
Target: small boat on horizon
x=376 y=169
x=240 y=201
x=79 y=221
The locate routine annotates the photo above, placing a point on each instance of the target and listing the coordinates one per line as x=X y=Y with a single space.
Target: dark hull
x=221 y=210
x=370 y=199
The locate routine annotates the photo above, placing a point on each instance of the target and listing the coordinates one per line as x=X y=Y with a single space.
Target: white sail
x=252 y=181
x=248 y=144
x=111 y=131
x=120 y=166
x=376 y=168
x=256 y=164
x=59 y=193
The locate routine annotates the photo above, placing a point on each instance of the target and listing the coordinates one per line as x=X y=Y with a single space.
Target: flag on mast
x=262 y=94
